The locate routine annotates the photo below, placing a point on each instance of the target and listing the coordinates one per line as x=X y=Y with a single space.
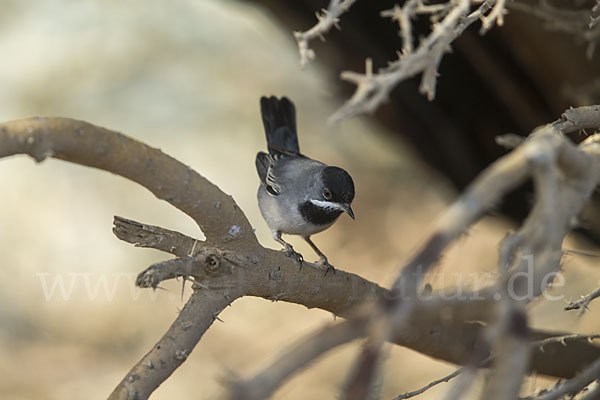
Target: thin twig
x=575 y=385
x=417 y=392
x=583 y=302
x=326 y=20
x=403 y=16
x=564 y=339
x=495 y=16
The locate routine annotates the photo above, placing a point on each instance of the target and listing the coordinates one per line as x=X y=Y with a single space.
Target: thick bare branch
x=167 y=178
x=175 y=346
x=286 y=283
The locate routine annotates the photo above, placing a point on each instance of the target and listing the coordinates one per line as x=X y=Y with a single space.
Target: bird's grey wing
x=265 y=164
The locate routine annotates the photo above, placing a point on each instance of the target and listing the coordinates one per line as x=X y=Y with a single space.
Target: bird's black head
x=338 y=186
x=330 y=196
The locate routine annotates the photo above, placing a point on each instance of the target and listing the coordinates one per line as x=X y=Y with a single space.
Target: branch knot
x=212 y=264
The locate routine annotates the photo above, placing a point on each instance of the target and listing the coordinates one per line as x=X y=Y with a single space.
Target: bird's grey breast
x=282 y=212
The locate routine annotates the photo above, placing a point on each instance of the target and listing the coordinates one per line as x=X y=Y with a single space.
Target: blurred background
x=185 y=76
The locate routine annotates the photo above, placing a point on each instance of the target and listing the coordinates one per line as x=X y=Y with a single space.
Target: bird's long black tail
x=279 y=120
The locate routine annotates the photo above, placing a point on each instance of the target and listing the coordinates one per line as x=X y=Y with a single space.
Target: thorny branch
x=454 y=374
x=230 y=263
x=425 y=315
x=168 y=179
x=583 y=302
x=425 y=388
x=449 y=20
x=496 y=16
x=573 y=386
x=457 y=372
x=373 y=88
x=326 y=20
x=564 y=339
x=541 y=158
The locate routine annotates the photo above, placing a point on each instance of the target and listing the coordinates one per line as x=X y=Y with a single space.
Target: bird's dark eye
x=326 y=194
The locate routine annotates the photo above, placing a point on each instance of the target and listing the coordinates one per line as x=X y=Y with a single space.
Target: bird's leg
x=322 y=257
x=289 y=250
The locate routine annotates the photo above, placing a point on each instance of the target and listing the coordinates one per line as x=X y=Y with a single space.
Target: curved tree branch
x=168 y=179
x=175 y=346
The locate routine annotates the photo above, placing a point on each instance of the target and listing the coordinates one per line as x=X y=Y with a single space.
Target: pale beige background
x=185 y=76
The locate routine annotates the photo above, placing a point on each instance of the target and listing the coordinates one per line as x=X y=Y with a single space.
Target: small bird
x=297 y=195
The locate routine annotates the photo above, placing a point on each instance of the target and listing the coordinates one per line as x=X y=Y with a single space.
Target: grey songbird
x=297 y=195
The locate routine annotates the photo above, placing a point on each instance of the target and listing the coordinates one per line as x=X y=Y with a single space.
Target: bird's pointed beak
x=347 y=209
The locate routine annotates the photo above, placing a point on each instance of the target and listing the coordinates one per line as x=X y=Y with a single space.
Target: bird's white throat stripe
x=326 y=204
